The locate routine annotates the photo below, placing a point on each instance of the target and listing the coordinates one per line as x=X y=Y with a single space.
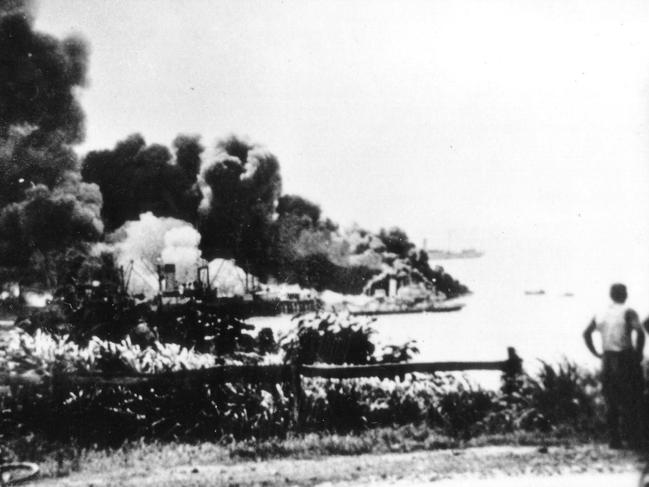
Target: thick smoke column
x=51 y=218
x=38 y=77
x=24 y=164
x=232 y=201
x=45 y=209
x=35 y=232
x=39 y=113
x=365 y=248
x=188 y=155
x=17 y=7
x=136 y=178
x=240 y=190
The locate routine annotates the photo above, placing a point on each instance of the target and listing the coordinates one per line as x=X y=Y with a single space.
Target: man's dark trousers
x=622 y=387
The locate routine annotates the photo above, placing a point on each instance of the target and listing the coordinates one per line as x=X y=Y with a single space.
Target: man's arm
x=588 y=338
x=634 y=322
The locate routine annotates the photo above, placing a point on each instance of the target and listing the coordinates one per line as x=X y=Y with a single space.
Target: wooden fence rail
x=256 y=374
x=251 y=374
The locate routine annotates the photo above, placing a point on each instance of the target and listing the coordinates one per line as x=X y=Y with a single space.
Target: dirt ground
x=622 y=479
x=482 y=467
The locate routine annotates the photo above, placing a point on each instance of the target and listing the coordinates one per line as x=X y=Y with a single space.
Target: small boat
x=445 y=308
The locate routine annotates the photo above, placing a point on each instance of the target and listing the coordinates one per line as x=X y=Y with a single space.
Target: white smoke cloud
x=206 y=200
x=140 y=246
x=226 y=278
x=255 y=156
x=181 y=249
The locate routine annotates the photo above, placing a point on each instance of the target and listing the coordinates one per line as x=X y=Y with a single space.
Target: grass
x=210 y=464
x=60 y=460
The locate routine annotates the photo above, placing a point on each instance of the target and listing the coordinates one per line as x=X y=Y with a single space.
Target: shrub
x=399 y=353
x=43 y=353
x=462 y=410
x=350 y=404
x=329 y=338
x=559 y=398
x=339 y=339
x=565 y=395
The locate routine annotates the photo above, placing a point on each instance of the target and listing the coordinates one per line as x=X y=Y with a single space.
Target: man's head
x=618 y=293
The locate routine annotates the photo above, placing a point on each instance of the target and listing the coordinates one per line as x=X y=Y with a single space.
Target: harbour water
x=499 y=313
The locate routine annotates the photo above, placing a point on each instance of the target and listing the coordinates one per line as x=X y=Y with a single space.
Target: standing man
x=622 y=380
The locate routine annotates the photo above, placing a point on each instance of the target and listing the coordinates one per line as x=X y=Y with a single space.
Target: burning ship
x=448 y=254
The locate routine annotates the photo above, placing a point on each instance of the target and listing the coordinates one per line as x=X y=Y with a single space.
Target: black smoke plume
x=24 y=163
x=17 y=7
x=38 y=78
x=300 y=207
x=136 y=178
x=46 y=211
x=240 y=188
x=36 y=231
x=188 y=155
x=40 y=116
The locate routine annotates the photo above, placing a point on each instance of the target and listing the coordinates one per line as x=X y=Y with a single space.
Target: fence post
x=514 y=365
x=58 y=394
x=296 y=388
x=512 y=370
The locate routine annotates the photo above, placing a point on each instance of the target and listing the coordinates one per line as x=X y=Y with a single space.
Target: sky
x=493 y=124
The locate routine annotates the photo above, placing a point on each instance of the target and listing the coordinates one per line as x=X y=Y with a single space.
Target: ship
x=449 y=254
x=444 y=308
x=378 y=308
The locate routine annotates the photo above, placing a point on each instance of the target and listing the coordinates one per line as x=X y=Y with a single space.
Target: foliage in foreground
x=332 y=338
x=444 y=404
x=559 y=398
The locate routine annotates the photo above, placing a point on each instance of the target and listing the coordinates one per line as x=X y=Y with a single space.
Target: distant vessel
x=397 y=310
x=535 y=292
x=449 y=254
